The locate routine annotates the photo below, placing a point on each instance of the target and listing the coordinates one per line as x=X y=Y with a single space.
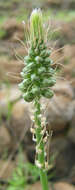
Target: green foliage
x=21 y=175
x=32 y=172
x=25 y=173
x=2 y=20
x=63 y=15
x=66 y=15
x=2 y=33
x=18 y=181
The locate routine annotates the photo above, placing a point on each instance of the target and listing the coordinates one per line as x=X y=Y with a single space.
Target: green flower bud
x=36 y=51
x=21 y=87
x=48 y=53
x=35 y=90
x=47 y=93
x=38 y=59
x=25 y=74
x=45 y=53
x=30 y=65
x=41 y=70
x=48 y=82
x=31 y=53
x=28 y=97
x=22 y=74
x=34 y=77
x=36 y=26
x=27 y=59
x=51 y=61
x=47 y=60
x=51 y=71
x=26 y=82
x=42 y=47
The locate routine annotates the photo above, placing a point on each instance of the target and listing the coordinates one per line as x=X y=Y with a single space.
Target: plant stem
x=40 y=144
x=44 y=180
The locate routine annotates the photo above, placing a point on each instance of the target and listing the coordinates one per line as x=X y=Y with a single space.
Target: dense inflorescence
x=38 y=74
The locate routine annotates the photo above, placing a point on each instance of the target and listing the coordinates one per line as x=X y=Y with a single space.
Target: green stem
x=39 y=141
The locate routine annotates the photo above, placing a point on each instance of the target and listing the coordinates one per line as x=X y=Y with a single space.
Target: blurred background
x=17 y=150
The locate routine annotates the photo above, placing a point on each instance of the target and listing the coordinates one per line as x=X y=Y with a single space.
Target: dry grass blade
x=13 y=75
x=57 y=50
x=19 y=57
x=22 y=43
x=60 y=59
x=50 y=32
